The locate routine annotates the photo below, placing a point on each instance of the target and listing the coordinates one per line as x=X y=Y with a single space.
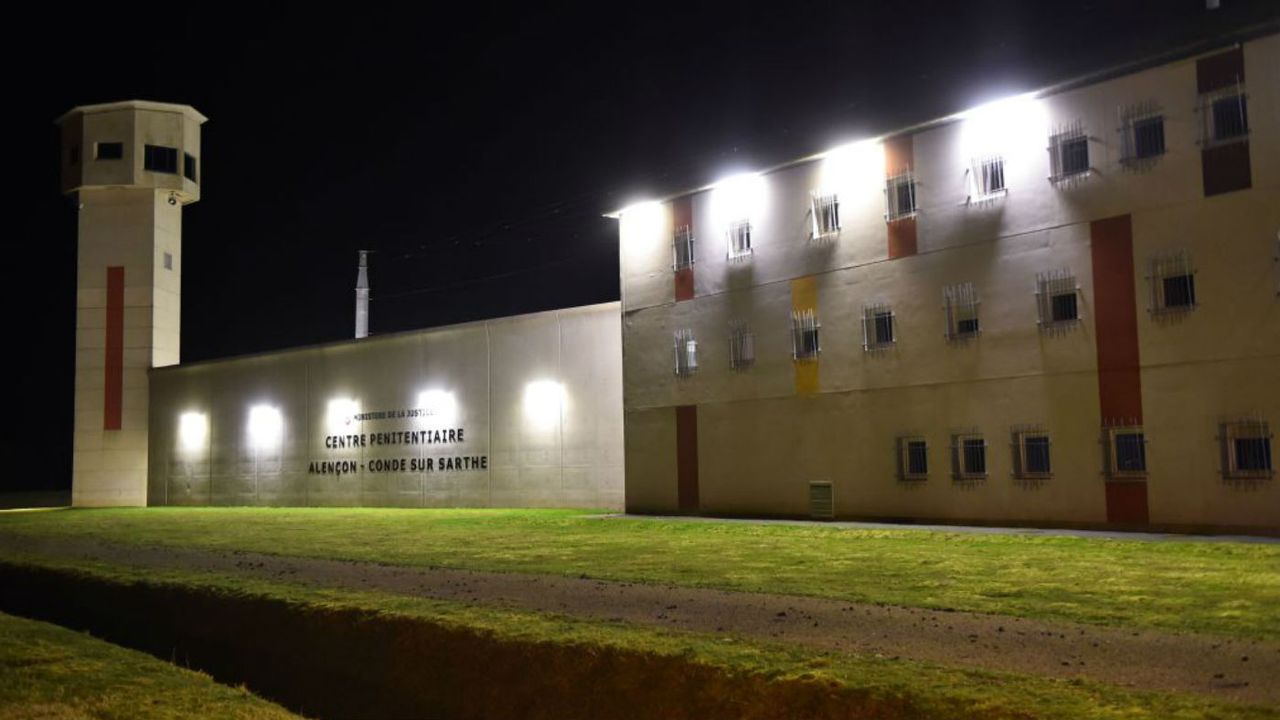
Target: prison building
x=521 y=411
x=1061 y=308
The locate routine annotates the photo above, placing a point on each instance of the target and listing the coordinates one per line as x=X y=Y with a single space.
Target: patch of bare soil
x=1234 y=669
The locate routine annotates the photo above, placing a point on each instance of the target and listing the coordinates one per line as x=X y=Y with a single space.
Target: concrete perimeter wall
x=521 y=411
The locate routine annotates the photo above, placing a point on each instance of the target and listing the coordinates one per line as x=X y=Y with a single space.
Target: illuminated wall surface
x=766 y=438
x=522 y=411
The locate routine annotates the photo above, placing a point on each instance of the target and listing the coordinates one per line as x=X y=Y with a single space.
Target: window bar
x=686 y=353
x=742 y=353
x=1049 y=285
x=960 y=305
x=682 y=248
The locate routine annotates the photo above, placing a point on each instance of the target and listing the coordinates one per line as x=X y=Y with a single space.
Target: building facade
x=1061 y=308
x=522 y=411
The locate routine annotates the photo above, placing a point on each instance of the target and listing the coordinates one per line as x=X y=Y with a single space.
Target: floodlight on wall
x=543 y=403
x=1010 y=126
x=439 y=408
x=266 y=427
x=341 y=414
x=641 y=226
x=852 y=170
x=739 y=197
x=193 y=431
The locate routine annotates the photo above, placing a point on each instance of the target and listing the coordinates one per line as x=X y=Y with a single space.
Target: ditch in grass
x=52 y=673
x=547 y=665
x=1230 y=589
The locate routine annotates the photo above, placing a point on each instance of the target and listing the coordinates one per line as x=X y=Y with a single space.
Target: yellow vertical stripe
x=804 y=296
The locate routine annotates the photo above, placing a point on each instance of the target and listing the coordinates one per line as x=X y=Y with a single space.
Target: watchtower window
x=109 y=151
x=161 y=159
x=189 y=167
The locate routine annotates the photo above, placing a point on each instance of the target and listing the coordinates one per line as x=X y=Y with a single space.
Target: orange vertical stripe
x=114 y=377
x=899 y=157
x=682 y=214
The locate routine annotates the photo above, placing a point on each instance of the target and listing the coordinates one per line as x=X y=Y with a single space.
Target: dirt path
x=1242 y=670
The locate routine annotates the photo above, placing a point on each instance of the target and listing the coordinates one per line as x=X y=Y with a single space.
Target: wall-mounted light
x=739 y=197
x=341 y=413
x=193 y=430
x=543 y=403
x=641 y=226
x=265 y=426
x=852 y=170
x=1016 y=125
x=439 y=408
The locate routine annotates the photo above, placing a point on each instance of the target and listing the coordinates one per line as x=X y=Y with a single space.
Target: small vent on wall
x=821 y=501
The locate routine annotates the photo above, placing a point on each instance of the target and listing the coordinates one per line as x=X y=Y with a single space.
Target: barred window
x=682 y=248
x=1068 y=153
x=968 y=456
x=877 y=327
x=825 y=211
x=900 y=195
x=686 y=353
x=1031 y=454
x=1126 y=451
x=804 y=335
x=960 y=309
x=913 y=458
x=1173 y=283
x=1246 y=449
x=1057 y=298
x=1224 y=116
x=1141 y=132
x=742 y=346
x=739 y=236
x=986 y=177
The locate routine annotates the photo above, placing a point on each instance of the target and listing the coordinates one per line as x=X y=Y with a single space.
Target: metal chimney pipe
x=362 y=296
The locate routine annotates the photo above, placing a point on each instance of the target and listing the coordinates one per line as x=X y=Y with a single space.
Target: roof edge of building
x=1186 y=51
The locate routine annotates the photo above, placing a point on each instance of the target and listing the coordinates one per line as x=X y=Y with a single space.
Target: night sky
x=474 y=150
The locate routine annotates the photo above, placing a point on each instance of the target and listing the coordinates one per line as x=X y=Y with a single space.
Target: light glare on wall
x=852 y=170
x=738 y=198
x=193 y=429
x=341 y=414
x=641 y=226
x=440 y=408
x=266 y=427
x=1013 y=125
x=543 y=403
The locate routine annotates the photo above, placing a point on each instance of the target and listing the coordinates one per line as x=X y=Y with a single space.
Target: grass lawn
x=935 y=692
x=52 y=673
x=1220 y=588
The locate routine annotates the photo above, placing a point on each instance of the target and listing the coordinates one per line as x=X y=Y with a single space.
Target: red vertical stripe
x=114 y=386
x=687 y=457
x=1219 y=71
x=1119 y=369
x=682 y=215
x=1116 y=320
x=899 y=157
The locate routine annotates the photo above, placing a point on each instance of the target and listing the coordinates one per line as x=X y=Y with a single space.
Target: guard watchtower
x=129 y=167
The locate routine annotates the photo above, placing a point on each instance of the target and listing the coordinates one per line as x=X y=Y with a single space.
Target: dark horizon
x=475 y=155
